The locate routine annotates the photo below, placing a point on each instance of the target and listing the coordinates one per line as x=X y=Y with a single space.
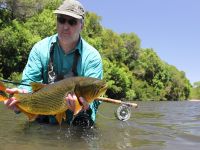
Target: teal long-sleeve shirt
x=36 y=69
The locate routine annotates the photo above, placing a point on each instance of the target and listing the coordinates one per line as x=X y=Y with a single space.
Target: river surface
x=152 y=126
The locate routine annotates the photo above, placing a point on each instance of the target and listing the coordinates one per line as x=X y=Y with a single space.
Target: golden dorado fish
x=49 y=99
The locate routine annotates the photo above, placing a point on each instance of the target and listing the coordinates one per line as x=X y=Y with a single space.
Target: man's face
x=68 y=28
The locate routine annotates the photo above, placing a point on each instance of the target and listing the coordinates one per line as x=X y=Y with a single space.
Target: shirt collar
x=79 y=46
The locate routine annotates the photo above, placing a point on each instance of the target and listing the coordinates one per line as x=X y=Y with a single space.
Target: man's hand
x=71 y=100
x=11 y=102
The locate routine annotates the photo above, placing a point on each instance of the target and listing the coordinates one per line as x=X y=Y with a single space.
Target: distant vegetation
x=132 y=72
x=195 y=92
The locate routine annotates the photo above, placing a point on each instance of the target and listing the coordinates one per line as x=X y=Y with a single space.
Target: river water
x=152 y=126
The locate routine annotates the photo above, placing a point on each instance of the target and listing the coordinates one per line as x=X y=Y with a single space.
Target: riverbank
x=194 y=100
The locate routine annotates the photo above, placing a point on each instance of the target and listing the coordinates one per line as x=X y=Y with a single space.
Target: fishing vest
x=52 y=76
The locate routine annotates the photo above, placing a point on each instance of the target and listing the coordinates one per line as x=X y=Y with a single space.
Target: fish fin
x=3 y=95
x=37 y=86
x=30 y=116
x=64 y=116
x=60 y=116
x=2 y=86
x=78 y=107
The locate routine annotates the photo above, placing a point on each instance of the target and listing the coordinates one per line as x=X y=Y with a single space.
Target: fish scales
x=39 y=104
x=50 y=99
x=55 y=97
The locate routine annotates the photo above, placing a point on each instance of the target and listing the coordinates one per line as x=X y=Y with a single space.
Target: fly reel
x=123 y=112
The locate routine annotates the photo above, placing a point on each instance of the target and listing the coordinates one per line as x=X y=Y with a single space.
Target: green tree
x=92 y=26
x=179 y=88
x=113 y=46
x=119 y=80
x=17 y=39
x=132 y=46
x=195 y=91
x=16 y=42
x=23 y=9
x=43 y=24
x=92 y=31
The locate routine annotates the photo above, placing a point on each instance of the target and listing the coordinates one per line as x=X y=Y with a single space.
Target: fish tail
x=3 y=95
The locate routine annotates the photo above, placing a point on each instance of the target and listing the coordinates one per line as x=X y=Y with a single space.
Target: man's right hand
x=11 y=102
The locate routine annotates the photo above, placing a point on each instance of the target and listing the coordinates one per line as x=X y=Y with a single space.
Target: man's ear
x=82 y=24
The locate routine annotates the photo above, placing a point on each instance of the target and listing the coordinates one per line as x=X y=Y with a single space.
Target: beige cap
x=71 y=8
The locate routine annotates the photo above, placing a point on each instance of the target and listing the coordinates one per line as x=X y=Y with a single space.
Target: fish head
x=90 y=88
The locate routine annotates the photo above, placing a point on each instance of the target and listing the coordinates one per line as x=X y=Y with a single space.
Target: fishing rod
x=12 y=82
x=115 y=101
x=123 y=112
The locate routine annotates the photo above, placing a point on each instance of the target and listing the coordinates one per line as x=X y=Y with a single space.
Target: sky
x=170 y=27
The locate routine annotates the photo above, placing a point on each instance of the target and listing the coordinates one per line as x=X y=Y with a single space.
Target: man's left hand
x=71 y=100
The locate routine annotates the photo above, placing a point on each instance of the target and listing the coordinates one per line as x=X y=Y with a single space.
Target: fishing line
x=12 y=82
x=103 y=116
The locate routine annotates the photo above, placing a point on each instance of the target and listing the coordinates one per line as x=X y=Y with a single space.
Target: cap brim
x=68 y=14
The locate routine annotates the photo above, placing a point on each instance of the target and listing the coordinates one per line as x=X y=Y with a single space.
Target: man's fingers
x=70 y=100
x=11 y=103
x=16 y=90
x=68 y=104
x=7 y=102
x=12 y=91
x=84 y=103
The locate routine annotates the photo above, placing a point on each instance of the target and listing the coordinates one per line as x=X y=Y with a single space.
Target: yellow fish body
x=50 y=99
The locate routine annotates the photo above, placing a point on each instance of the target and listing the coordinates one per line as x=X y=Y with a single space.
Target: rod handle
x=115 y=101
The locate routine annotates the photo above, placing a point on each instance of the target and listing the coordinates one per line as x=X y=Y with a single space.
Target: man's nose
x=66 y=25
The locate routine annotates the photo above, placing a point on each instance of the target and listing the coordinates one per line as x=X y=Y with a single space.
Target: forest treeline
x=132 y=72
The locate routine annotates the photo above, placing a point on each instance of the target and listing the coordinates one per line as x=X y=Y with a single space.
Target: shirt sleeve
x=33 y=69
x=94 y=69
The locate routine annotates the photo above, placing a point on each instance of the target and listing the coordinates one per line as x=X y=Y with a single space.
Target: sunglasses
x=71 y=22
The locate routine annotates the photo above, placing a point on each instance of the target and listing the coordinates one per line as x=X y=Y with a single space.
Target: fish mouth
x=103 y=89
x=105 y=86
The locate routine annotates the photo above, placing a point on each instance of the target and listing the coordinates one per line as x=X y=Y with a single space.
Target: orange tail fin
x=3 y=95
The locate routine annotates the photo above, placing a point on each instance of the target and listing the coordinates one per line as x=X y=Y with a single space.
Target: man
x=60 y=56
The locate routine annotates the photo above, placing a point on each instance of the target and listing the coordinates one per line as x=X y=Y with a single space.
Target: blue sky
x=170 y=27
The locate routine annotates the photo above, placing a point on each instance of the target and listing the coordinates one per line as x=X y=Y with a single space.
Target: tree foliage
x=195 y=92
x=23 y=9
x=16 y=42
x=132 y=46
x=43 y=24
x=119 y=80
